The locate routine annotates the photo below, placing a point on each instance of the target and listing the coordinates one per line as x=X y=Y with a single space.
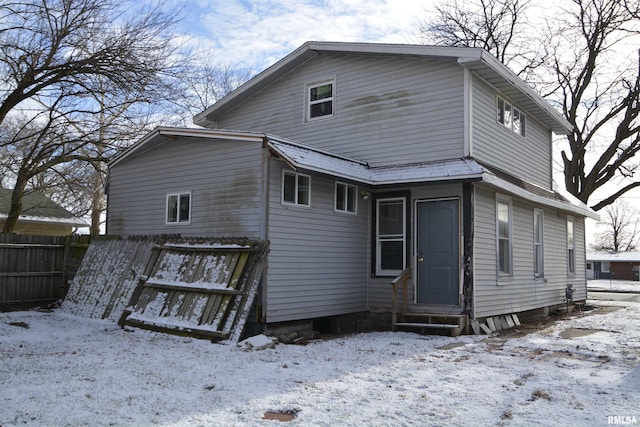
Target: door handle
x=420 y=259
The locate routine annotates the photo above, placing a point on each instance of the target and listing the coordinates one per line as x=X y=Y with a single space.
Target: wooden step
x=434 y=315
x=428 y=325
x=454 y=323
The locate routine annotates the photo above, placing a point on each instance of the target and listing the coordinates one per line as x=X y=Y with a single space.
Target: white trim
x=474 y=58
x=540 y=214
x=512 y=108
x=468 y=112
x=571 y=220
x=296 y=202
x=346 y=198
x=581 y=210
x=379 y=270
x=503 y=199
x=172 y=132
x=179 y=194
x=32 y=219
x=308 y=103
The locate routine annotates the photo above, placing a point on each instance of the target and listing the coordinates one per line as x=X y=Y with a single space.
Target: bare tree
x=620 y=225
x=205 y=82
x=57 y=57
x=581 y=66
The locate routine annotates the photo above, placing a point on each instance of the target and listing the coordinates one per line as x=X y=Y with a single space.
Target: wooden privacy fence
x=199 y=288
x=37 y=269
x=187 y=286
x=109 y=273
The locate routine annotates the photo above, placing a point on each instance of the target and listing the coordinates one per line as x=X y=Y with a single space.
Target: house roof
x=300 y=156
x=38 y=208
x=477 y=60
x=614 y=256
x=311 y=159
x=460 y=169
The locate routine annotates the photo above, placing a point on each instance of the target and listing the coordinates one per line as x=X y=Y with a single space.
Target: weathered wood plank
x=205 y=292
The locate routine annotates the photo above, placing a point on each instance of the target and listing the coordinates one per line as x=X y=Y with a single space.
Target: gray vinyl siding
x=526 y=157
x=224 y=177
x=387 y=110
x=318 y=262
x=522 y=291
x=380 y=290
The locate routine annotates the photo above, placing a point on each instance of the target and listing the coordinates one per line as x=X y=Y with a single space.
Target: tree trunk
x=16 y=206
x=97 y=194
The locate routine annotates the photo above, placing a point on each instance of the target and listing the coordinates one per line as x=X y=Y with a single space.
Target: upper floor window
x=571 y=246
x=510 y=117
x=320 y=99
x=538 y=243
x=345 y=200
x=296 y=189
x=503 y=235
x=178 y=208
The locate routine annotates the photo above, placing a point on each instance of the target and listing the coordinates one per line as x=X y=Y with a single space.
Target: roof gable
x=477 y=60
x=36 y=207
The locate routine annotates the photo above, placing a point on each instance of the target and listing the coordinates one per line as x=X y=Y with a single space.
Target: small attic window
x=319 y=98
x=510 y=117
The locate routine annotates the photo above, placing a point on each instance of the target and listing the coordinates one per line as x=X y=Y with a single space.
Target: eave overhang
x=481 y=62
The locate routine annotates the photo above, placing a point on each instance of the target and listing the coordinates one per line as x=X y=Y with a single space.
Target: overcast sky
x=257 y=33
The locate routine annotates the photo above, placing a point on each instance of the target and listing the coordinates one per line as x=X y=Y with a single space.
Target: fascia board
x=545 y=201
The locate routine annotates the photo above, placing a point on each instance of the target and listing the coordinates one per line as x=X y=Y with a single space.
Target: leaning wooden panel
x=199 y=287
x=107 y=277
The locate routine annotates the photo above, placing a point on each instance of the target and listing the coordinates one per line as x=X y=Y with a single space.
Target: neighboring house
x=358 y=161
x=613 y=265
x=40 y=215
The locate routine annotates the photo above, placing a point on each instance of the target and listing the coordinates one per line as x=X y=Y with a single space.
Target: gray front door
x=438 y=254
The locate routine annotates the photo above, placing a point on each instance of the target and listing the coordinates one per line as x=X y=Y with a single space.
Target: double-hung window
x=178 y=208
x=320 y=97
x=345 y=200
x=538 y=243
x=511 y=117
x=571 y=246
x=391 y=243
x=503 y=226
x=296 y=189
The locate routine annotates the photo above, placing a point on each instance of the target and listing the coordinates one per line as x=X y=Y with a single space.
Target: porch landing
x=426 y=319
x=434 y=323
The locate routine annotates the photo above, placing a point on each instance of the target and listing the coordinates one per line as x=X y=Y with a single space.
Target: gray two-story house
x=359 y=162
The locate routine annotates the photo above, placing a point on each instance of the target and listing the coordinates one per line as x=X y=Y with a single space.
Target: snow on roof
x=38 y=208
x=300 y=156
x=614 y=256
x=312 y=159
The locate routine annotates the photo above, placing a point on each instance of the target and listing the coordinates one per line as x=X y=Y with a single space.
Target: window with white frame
x=320 y=98
x=571 y=246
x=605 y=267
x=345 y=200
x=296 y=189
x=503 y=227
x=511 y=117
x=178 y=208
x=538 y=242
x=391 y=235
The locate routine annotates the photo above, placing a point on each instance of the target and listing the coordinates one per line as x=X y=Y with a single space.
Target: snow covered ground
x=61 y=370
x=613 y=285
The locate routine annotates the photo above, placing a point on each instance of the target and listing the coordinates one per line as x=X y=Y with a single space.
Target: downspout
x=468 y=249
x=264 y=226
x=468 y=112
